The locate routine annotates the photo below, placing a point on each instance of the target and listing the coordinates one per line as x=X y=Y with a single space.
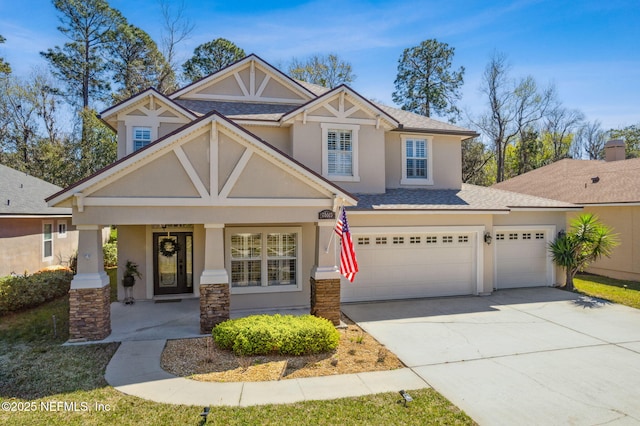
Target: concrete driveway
x=530 y=356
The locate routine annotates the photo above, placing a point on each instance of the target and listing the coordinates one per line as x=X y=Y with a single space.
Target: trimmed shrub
x=26 y=291
x=110 y=252
x=279 y=334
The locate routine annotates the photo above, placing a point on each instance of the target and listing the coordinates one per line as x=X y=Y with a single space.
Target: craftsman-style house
x=227 y=189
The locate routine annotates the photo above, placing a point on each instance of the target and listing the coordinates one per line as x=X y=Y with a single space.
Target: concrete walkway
x=135 y=370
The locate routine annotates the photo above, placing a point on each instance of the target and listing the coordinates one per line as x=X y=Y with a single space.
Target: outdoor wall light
x=488 y=238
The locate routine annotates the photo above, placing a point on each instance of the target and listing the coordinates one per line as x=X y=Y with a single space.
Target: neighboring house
x=33 y=236
x=226 y=190
x=609 y=189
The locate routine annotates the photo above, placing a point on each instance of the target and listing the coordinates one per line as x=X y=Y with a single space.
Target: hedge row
x=26 y=291
x=279 y=334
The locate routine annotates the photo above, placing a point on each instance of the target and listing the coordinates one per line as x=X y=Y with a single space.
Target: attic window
x=141 y=137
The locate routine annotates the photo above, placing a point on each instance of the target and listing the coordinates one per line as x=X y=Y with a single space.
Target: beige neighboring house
x=33 y=236
x=609 y=189
x=226 y=191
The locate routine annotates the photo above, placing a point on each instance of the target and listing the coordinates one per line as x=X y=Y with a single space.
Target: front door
x=172 y=263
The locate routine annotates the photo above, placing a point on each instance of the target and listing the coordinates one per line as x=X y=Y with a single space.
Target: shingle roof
x=238 y=110
x=22 y=194
x=469 y=197
x=581 y=181
x=273 y=112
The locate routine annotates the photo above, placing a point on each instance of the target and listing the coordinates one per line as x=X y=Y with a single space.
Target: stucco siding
x=165 y=128
x=21 y=244
x=261 y=179
x=446 y=162
x=164 y=177
x=279 y=137
x=132 y=246
x=624 y=263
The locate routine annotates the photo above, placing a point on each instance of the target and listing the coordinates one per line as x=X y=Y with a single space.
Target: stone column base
x=89 y=313
x=214 y=305
x=325 y=299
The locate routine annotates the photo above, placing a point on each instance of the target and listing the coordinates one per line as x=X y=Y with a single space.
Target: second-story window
x=141 y=137
x=340 y=147
x=416 y=161
x=340 y=151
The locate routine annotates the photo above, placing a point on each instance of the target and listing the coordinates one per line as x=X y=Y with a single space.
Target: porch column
x=89 y=295
x=325 y=276
x=214 y=281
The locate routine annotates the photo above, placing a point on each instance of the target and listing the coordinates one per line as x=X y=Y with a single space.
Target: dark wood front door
x=172 y=263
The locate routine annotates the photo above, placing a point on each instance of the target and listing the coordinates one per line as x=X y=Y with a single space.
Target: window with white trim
x=414 y=240
x=62 y=229
x=463 y=238
x=398 y=240
x=416 y=160
x=447 y=239
x=526 y=235
x=141 y=137
x=381 y=240
x=431 y=239
x=47 y=240
x=264 y=259
x=363 y=241
x=513 y=236
x=340 y=151
x=539 y=235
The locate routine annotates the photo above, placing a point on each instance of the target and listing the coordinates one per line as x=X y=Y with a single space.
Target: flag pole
x=334 y=227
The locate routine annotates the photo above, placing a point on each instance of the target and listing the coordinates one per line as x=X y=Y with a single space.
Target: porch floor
x=147 y=320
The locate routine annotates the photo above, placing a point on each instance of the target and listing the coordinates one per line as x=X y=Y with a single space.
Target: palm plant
x=587 y=241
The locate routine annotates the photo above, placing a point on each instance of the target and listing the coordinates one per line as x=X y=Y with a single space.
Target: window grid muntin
x=513 y=236
x=398 y=240
x=447 y=239
x=415 y=240
x=47 y=240
x=431 y=239
x=141 y=137
x=416 y=158
x=463 y=238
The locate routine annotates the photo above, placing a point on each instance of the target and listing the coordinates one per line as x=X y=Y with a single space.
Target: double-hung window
x=416 y=161
x=340 y=151
x=264 y=260
x=47 y=240
x=141 y=137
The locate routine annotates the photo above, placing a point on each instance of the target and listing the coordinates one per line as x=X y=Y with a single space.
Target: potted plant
x=130 y=274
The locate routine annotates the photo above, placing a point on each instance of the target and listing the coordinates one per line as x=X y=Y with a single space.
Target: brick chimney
x=614 y=150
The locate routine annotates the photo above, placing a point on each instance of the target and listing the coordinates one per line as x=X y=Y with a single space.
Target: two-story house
x=226 y=190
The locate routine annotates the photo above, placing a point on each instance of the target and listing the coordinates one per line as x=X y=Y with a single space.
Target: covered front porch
x=209 y=275
x=167 y=319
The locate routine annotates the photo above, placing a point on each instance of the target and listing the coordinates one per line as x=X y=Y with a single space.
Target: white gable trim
x=378 y=117
x=250 y=93
x=152 y=95
x=81 y=193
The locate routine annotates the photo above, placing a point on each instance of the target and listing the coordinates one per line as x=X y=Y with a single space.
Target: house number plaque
x=326 y=214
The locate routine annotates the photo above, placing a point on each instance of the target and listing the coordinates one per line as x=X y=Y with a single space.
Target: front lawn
x=49 y=384
x=617 y=291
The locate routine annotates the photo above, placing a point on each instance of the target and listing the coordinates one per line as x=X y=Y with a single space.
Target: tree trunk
x=569 y=284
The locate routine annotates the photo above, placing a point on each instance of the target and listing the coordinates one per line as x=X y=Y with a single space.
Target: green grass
x=113 y=282
x=609 y=289
x=36 y=369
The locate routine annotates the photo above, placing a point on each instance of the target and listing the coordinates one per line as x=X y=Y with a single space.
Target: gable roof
x=581 y=181
x=341 y=89
x=104 y=115
x=25 y=195
x=291 y=83
x=144 y=152
x=468 y=198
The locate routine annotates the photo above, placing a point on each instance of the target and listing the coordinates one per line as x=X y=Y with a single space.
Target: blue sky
x=590 y=50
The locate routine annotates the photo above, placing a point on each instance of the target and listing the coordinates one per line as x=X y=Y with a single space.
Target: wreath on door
x=168 y=247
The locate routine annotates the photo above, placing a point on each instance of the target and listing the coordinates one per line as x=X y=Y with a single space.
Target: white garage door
x=521 y=259
x=411 y=265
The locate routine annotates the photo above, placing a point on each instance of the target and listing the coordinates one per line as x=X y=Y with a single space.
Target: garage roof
x=469 y=198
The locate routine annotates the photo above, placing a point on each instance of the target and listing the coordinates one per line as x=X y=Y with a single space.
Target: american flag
x=348 y=262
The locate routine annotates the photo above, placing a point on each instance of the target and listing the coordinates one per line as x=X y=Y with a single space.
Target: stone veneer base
x=89 y=313
x=325 y=299
x=214 y=305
